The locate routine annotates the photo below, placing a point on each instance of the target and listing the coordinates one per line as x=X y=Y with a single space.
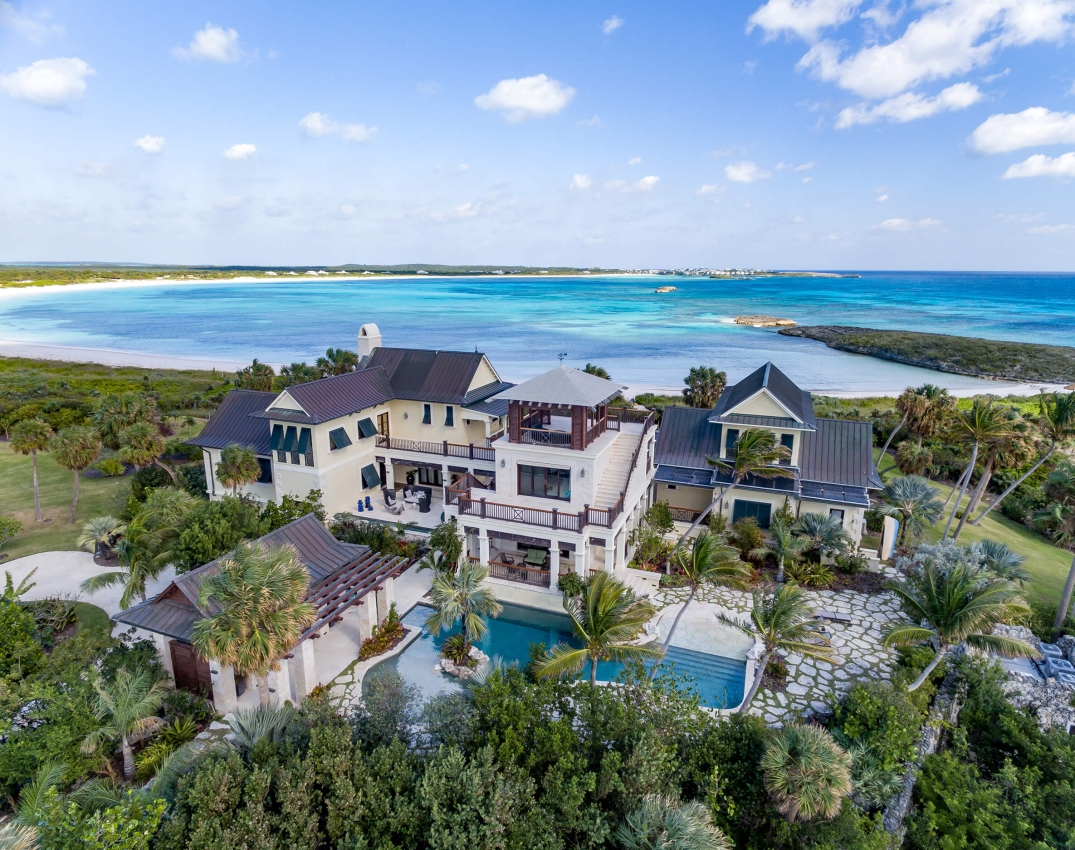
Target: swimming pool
x=719 y=680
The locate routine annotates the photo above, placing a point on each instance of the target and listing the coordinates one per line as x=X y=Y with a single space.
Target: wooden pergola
x=335 y=593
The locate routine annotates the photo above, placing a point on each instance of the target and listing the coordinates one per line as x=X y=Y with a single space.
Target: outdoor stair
x=619 y=467
x=641 y=589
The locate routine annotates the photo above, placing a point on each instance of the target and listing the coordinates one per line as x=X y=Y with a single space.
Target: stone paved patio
x=860 y=655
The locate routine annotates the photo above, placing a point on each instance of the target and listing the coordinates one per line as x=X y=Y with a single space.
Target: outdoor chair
x=536 y=558
x=390 y=502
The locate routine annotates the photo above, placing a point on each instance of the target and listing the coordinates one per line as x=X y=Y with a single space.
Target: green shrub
x=9 y=527
x=852 y=563
x=111 y=467
x=215 y=528
x=148 y=478
x=290 y=509
x=746 y=535
x=811 y=574
x=192 y=479
x=570 y=584
x=20 y=653
x=65 y=825
x=880 y=717
x=384 y=636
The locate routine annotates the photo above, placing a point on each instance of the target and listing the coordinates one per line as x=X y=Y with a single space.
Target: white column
x=389 y=475
x=621 y=549
x=582 y=558
x=225 y=699
x=366 y=611
x=284 y=686
x=554 y=561
x=610 y=554
x=483 y=546
x=164 y=650
x=386 y=595
x=304 y=678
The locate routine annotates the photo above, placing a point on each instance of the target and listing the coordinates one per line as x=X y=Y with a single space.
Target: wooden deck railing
x=684 y=514
x=523 y=575
x=544 y=437
x=443 y=448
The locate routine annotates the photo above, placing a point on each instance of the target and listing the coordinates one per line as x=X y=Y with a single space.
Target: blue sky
x=785 y=134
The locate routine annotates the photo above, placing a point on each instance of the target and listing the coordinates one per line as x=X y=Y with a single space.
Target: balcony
x=442 y=448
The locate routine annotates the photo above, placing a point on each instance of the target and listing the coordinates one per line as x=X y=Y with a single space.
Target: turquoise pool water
x=718 y=680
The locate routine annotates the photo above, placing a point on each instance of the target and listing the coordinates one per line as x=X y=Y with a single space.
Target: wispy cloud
x=526 y=97
x=36 y=28
x=611 y=24
x=1041 y=165
x=93 y=169
x=48 y=82
x=211 y=44
x=745 y=172
x=911 y=107
x=1049 y=228
x=902 y=225
x=644 y=185
x=881 y=199
x=316 y=125
x=230 y=202
x=150 y=144
x=428 y=88
x=580 y=181
x=709 y=189
x=635 y=160
x=241 y=151
x=590 y=122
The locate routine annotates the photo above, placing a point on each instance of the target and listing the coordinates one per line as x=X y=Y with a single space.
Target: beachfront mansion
x=545 y=477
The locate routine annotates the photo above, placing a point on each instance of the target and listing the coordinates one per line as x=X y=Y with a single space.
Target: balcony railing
x=443 y=448
x=520 y=574
x=544 y=437
x=683 y=514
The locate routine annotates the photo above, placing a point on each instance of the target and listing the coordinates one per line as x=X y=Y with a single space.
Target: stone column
x=386 y=595
x=225 y=700
x=483 y=546
x=304 y=676
x=164 y=650
x=366 y=611
x=284 y=686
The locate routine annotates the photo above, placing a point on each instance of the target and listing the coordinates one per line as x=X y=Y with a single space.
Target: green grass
x=92 y=618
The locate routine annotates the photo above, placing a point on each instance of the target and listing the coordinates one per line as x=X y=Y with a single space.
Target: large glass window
x=449 y=416
x=544 y=482
x=761 y=511
x=427 y=414
x=788 y=442
x=730 y=439
x=265 y=465
x=430 y=475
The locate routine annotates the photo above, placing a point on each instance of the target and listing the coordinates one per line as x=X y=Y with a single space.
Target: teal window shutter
x=427 y=414
x=338 y=439
x=291 y=437
x=370 y=478
x=304 y=442
x=366 y=428
x=277 y=439
x=449 y=416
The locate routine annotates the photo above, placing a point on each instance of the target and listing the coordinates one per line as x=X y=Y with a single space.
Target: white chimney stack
x=369 y=338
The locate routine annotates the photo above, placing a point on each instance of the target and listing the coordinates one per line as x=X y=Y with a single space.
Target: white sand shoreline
x=119 y=357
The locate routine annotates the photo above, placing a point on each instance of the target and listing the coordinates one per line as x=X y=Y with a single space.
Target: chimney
x=369 y=338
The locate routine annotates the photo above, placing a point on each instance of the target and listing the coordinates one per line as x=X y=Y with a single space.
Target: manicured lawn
x=92 y=618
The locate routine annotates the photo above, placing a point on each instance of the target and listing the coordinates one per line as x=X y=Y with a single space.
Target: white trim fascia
x=291 y=398
x=750 y=398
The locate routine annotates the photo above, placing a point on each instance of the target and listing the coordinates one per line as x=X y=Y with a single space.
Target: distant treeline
x=982 y=358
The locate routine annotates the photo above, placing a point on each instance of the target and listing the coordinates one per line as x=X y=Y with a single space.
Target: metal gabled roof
x=686 y=438
x=336 y=396
x=234 y=424
x=417 y=374
x=839 y=452
x=563 y=387
x=797 y=402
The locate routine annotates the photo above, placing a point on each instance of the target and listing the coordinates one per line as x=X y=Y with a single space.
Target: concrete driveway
x=62 y=573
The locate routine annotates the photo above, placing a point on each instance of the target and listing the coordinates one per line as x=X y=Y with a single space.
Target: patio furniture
x=390 y=502
x=507 y=559
x=411 y=500
x=536 y=557
x=369 y=504
x=833 y=616
x=360 y=506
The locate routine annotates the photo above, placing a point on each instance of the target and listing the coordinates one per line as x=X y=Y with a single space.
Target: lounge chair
x=390 y=502
x=536 y=558
x=832 y=616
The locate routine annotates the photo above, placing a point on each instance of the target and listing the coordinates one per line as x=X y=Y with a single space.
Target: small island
x=663 y=289
x=764 y=321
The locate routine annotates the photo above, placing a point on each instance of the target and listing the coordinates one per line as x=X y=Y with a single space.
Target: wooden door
x=191 y=671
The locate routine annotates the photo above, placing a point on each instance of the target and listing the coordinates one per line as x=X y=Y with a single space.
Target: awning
x=370 y=478
x=291 y=438
x=366 y=428
x=277 y=438
x=338 y=439
x=304 y=442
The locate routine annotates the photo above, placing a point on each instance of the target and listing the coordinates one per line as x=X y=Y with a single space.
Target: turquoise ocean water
x=524 y=324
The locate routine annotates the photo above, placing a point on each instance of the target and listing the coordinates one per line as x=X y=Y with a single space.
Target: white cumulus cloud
x=526 y=97
x=1049 y=228
x=635 y=160
x=911 y=106
x=745 y=172
x=1029 y=128
x=804 y=18
x=317 y=124
x=708 y=189
x=150 y=144
x=240 y=151
x=881 y=199
x=611 y=24
x=48 y=82
x=949 y=38
x=903 y=224
x=1041 y=165
x=580 y=181
x=211 y=44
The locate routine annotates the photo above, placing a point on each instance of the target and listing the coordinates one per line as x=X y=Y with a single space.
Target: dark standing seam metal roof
x=416 y=374
x=497 y=408
x=339 y=395
x=797 y=401
x=174 y=611
x=232 y=424
x=686 y=438
x=840 y=451
x=484 y=392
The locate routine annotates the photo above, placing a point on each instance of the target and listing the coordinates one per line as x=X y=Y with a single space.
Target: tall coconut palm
x=757 y=454
x=116 y=413
x=124 y=708
x=907 y=405
x=259 y=592
x=662 y=823
x=238 y=467
x=822 y=533
x=257 y=376
x=100 y=533
x=806 y=772
x=782 y=544
x=1005 y=451
x=784 y=622
x=912 y=500
x=337 y=361
x=1056 y=423
x=146 y=548
x=710 y=561
x=75 y=448
x=28 y=438
x=704 y=386
x=461 y=596
x=143 y=444
x=930 y=417
x=984 y=422
x=607 y=618
x=959 y=605
x=1057 y=522
x=297 y=373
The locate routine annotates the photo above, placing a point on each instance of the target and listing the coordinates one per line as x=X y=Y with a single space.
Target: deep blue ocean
x=526 y=324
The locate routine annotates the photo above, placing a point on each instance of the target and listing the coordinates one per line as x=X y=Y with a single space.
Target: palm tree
x=1002 y=561
x=914 y=501
x=17 y=836
x=1007 y=451
x=99 y=533
x=594 y=369
x=704 y=386
x=256 y=376
x=146 y=548
x=1057 y=522
x=261 y=592
x=908 y=404
x=143 y=444
x=806 y=772
x=297 y=373
x=238 y=467
x=930 y=416
x=1056 y=422
x=710 y=562
x=957 y=606
x=913 y=459
x=782 y=544
x=756 y=453
x=784 y=622
x=662 y=823
x=75 y=448
x=337 y=361
x=116 y=413
x=822 y=533
x=250 y=725
x=125 y=707
x=30 y=437
x=461 y=597
x=984 y=422
x=606 y=618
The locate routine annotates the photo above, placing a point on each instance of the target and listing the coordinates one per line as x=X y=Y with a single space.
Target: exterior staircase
x=642 y=589
x=619 y=467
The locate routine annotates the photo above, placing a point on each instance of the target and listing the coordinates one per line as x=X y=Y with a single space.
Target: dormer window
x=731 y=439
x=788 y=442
x=449 y=416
